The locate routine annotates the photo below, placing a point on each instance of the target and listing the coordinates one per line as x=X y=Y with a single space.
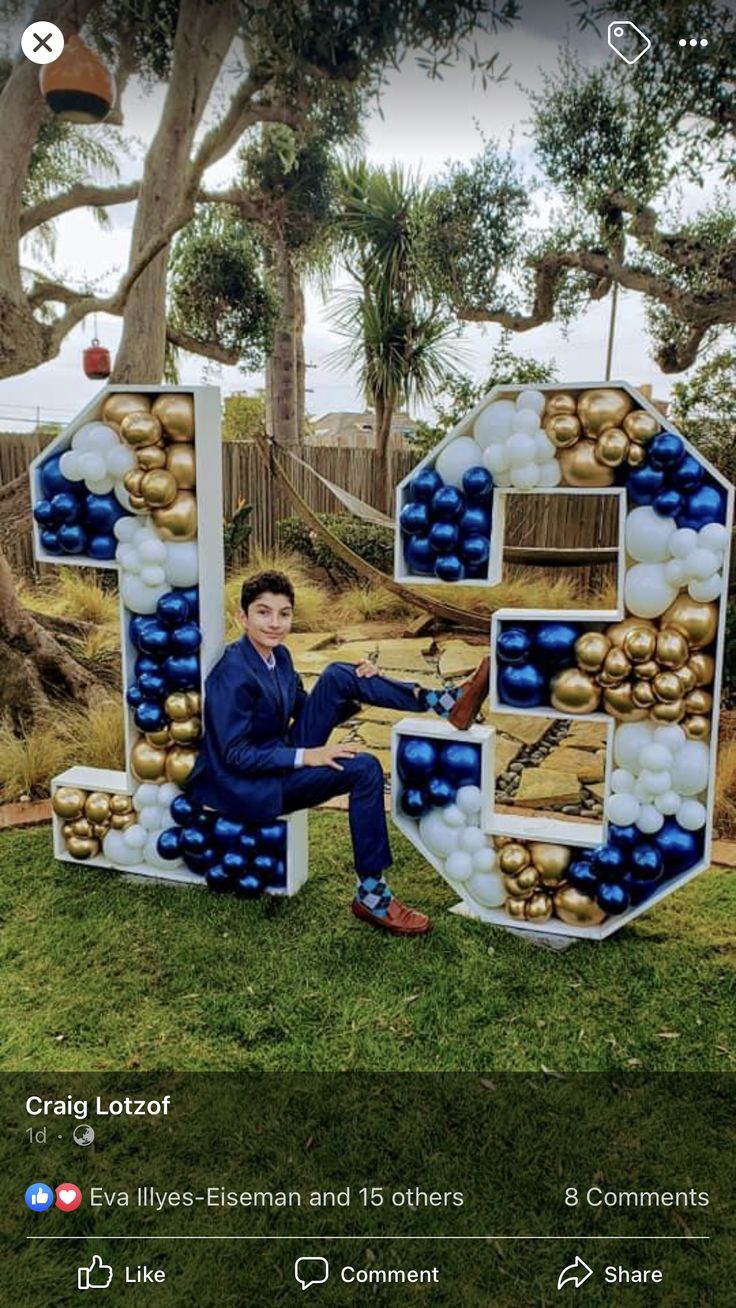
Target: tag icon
x=628 y=41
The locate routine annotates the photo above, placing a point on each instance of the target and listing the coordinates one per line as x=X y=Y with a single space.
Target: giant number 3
x=649 y=669
x=134 y=484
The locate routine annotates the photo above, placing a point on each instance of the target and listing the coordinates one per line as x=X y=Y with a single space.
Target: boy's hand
x=326 y=756
x=366 y=669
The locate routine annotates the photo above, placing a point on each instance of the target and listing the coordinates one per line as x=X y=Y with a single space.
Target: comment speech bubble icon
x=311 y=1271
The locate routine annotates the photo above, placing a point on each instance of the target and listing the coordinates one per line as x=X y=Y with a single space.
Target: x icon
x=42 y=42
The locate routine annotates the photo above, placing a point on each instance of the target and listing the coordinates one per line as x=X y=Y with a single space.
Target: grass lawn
x=99 y=973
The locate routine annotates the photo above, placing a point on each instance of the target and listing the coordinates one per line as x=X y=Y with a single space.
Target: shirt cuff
x=299 y=759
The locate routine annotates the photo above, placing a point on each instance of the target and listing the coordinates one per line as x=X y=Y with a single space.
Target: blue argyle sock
x=374 y=894
x=442 y=701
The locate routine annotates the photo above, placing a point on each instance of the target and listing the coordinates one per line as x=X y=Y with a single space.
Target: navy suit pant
x=361 y=778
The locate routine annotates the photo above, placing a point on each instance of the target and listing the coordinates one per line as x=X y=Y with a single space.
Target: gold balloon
x=140 y=429
x=132 y=481
x=151 y=456
x=81 y=827
x=515 y=907
x=666 y=687
x=551 y=861
x=500 y=842
x=698 y=622
x=121 y=804
x=580 y=467
x=522 y=885
x=176 y=707
x=603 y=679
x=83 y=847
x=513 y=858
x=148 y=762
x=119 y=405
x=159 y=487
x=643 y=695
x=639 y=644
x=640 y=426
x=137 y=503
x=573 y=691
x=563 y=430
x=672 y=710
x=159 y=738
x=699 y=702
x=176 y=415
x=538 y=908
x=181 y=462
x=647 y=670
x=612 y=447
x=67 y=829
x=636 y=455
x=704 y=667
x=100 y=830
x=68 y=802
x=591 y=649
x=179 y=763
x=577 y=909
x=616 y=664
x=178 y=521
x=194 y=702
x=600 y=409
x=121 y=821
x=687 y=679
x=557 y=404
x=620 y=630
x=697 y=727
x=97 y=806
x=672 y=648
x=620 y=703
x=186 y=732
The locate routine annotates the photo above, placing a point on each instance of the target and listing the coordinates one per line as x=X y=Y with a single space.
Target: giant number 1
x=134 y=484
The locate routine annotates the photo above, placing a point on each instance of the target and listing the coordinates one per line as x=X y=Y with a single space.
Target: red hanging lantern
x=77 y=86
x=96 y=361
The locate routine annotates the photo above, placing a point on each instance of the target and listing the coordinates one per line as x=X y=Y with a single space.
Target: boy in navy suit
x=265 y=750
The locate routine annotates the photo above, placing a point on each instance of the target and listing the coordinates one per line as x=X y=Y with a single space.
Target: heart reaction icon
x=68 y=1196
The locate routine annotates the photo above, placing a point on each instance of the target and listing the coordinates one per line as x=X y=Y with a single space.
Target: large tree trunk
x=34 y=668
x=301 y=368
x=282 y=369
x=203 y=36
x=384 y=419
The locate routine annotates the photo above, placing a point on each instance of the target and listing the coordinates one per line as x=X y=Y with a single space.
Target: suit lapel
x=265 y=678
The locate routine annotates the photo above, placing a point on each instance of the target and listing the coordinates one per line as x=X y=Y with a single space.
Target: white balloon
x=690 y=767
x=455 y=459
x=628 y=742
x=472 y=839
x=622 y=781
x=151 y=817
x=656 y=782
x=152 y=857
x=153 y=575
x=667 y=803
x=682 y=542
x=69 y=465
x=452 y=816
x=656 y=757
x=692 y=815
x=119 y=461
x=181 y=563
x=494 y=421
x=675 y=572
x=487 y=888
x=152 y=551
x=526 y=477
x=531 y=399
x=166 y=793
x=122 y=496
x=622 y=809
x=115 y=849
x=484 y=860
x=648 y=535
x=95 y=436
x=650 y=820
x=714 y=536
x=647 y=593
x=439 y=838
x=136 y=836
x=701 y=564
x=92 y=466
x=138 y=597
x=550 y=474
x=125 y=529
x=704 y=591
x=642 y=791
x=145 y=796
x=544 y=448
x=502 y=479
x=525 y=420
x=469 y=799
x=102 y=487
x=459 y=866
x=127 y=557
x=671 y=736
x=520 y=449
x=496 y=459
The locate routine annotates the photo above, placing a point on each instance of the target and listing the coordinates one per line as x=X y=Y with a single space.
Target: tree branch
x=243 y=112
x=77 y=197
x=209 y=349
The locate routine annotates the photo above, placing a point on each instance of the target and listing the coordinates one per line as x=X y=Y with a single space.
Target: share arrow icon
x=577 y=1272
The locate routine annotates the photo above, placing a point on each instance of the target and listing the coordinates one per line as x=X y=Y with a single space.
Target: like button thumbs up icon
x=95 y=1277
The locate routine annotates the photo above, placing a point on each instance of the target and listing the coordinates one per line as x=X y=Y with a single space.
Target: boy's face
x=268 y=619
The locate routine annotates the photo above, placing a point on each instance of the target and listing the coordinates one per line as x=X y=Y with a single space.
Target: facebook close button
x=39 y=1197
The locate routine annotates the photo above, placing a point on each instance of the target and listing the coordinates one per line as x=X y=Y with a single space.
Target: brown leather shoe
x=398 y=920
x=465 y=711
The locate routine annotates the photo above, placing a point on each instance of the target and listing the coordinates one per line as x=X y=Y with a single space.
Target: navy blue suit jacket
x=246 y=751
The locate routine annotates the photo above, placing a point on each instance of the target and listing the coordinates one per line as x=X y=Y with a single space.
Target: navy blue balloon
x=168 y=844
x=444 y=536
x=613 y=898
x=668 y=503
x=278 y=876
x=448 y=567
x=72 y=538
x=264 y=865
x=460 y=763
x=704 y=505
x=476 y=521
x=521 y=685
x=191 y=595
x=204 y=820
x=644 y=483
x=554 y=643
x=416 y=760
x=102 y=511
x=419 y=555
x=424 y=485
x=624 y=837
x=226 y=831
x=134 y=695
x=193 y=841
x=183 y=810
x=581 y=875
x=448 y=504
x=473 y=573
x=154 y=640
x=152 y=684
x=172 y=609
x=640 y=891
x=414 y=802
x=647 y=863
x=478 y=485
x=144 y=663
x=53 y=479
x=666 y=450
x=248 y=844
x=102 y=547
x=186 y=639
x=65 y=507
x=249 y=886
x=42 y=513
x=680 y=849
x=202 y=861
x=414 y=518
x=474 y=551
x=182 y=670
x=513 y=645
x=272 y=837
x=49 y=538
x=234 y=862
x=688 y=474
x=441 y=792
x=609 y=863
x=136 y=626
x=218 y=878
x=150 y=716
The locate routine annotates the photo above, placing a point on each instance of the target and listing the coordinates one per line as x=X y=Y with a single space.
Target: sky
x=423 y=123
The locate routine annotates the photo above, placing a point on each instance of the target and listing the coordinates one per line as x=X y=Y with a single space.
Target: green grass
x=100 y=973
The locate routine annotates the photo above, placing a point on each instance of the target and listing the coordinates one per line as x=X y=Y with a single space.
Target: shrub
x=371 y=541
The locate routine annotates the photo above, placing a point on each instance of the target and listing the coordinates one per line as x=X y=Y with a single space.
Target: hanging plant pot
x=96 y=360
x=77 y=86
